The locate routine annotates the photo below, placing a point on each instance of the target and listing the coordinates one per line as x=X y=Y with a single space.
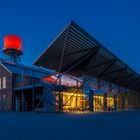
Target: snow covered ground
x=91 y=126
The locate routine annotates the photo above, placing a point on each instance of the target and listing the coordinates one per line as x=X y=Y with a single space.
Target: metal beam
x=122 y=77
x=115 y=71
x=135 y=85
x=84 y=60
x=63 y=51
x=101 y=64
x=132 y=81
x=117 y=75
x=107 y=68
x=123 y=82
x=79 y=51
x=138 y=88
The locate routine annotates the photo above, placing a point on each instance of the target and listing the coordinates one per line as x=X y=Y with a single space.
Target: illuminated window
x=4 y=82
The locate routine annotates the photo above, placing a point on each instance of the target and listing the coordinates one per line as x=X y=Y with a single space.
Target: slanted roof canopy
x=76 y=52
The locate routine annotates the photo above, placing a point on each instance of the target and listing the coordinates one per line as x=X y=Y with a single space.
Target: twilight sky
x=114 y=23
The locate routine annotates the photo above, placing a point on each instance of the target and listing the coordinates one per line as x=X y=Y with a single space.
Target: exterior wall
x=5 y=92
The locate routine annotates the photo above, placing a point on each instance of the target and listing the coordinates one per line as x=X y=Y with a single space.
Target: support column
x=129 y=101
x=22 y=98
x=60 y=102
x=91 y=98
x=16 y=104
x=135 y=101
x=105 y=101
x=99 y=84
x=110 y=87
x=123 y=102
x=33 y=92
x=139 y=102
x=33 y=98
x=115 y=102
x=132 y=100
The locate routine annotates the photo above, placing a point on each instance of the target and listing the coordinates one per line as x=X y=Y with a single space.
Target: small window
x=4 y=82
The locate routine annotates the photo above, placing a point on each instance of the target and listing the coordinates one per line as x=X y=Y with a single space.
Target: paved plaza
x=70 y=126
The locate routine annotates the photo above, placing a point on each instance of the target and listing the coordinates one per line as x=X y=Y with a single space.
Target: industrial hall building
x=76 y=73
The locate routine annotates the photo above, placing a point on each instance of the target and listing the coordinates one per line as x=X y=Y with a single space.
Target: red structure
x=48 y=79
x=13 y=47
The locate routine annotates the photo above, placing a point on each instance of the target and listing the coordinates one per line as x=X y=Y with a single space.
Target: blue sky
x=115 y=23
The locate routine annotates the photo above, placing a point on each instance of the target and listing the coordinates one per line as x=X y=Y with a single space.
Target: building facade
x=25 y=88
x=75 y=73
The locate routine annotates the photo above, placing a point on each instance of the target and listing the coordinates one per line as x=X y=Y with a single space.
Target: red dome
x=12 y=42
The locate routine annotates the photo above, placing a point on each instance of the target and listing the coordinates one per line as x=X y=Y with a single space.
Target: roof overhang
x=76 y=52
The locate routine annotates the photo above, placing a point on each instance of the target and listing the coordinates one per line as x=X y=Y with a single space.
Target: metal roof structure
x=21 y=69
x=76 y=52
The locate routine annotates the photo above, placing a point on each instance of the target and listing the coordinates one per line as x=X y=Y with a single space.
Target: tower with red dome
x=13 y=47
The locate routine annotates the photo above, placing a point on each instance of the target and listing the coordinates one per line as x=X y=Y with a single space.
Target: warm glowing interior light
x=79 y=102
